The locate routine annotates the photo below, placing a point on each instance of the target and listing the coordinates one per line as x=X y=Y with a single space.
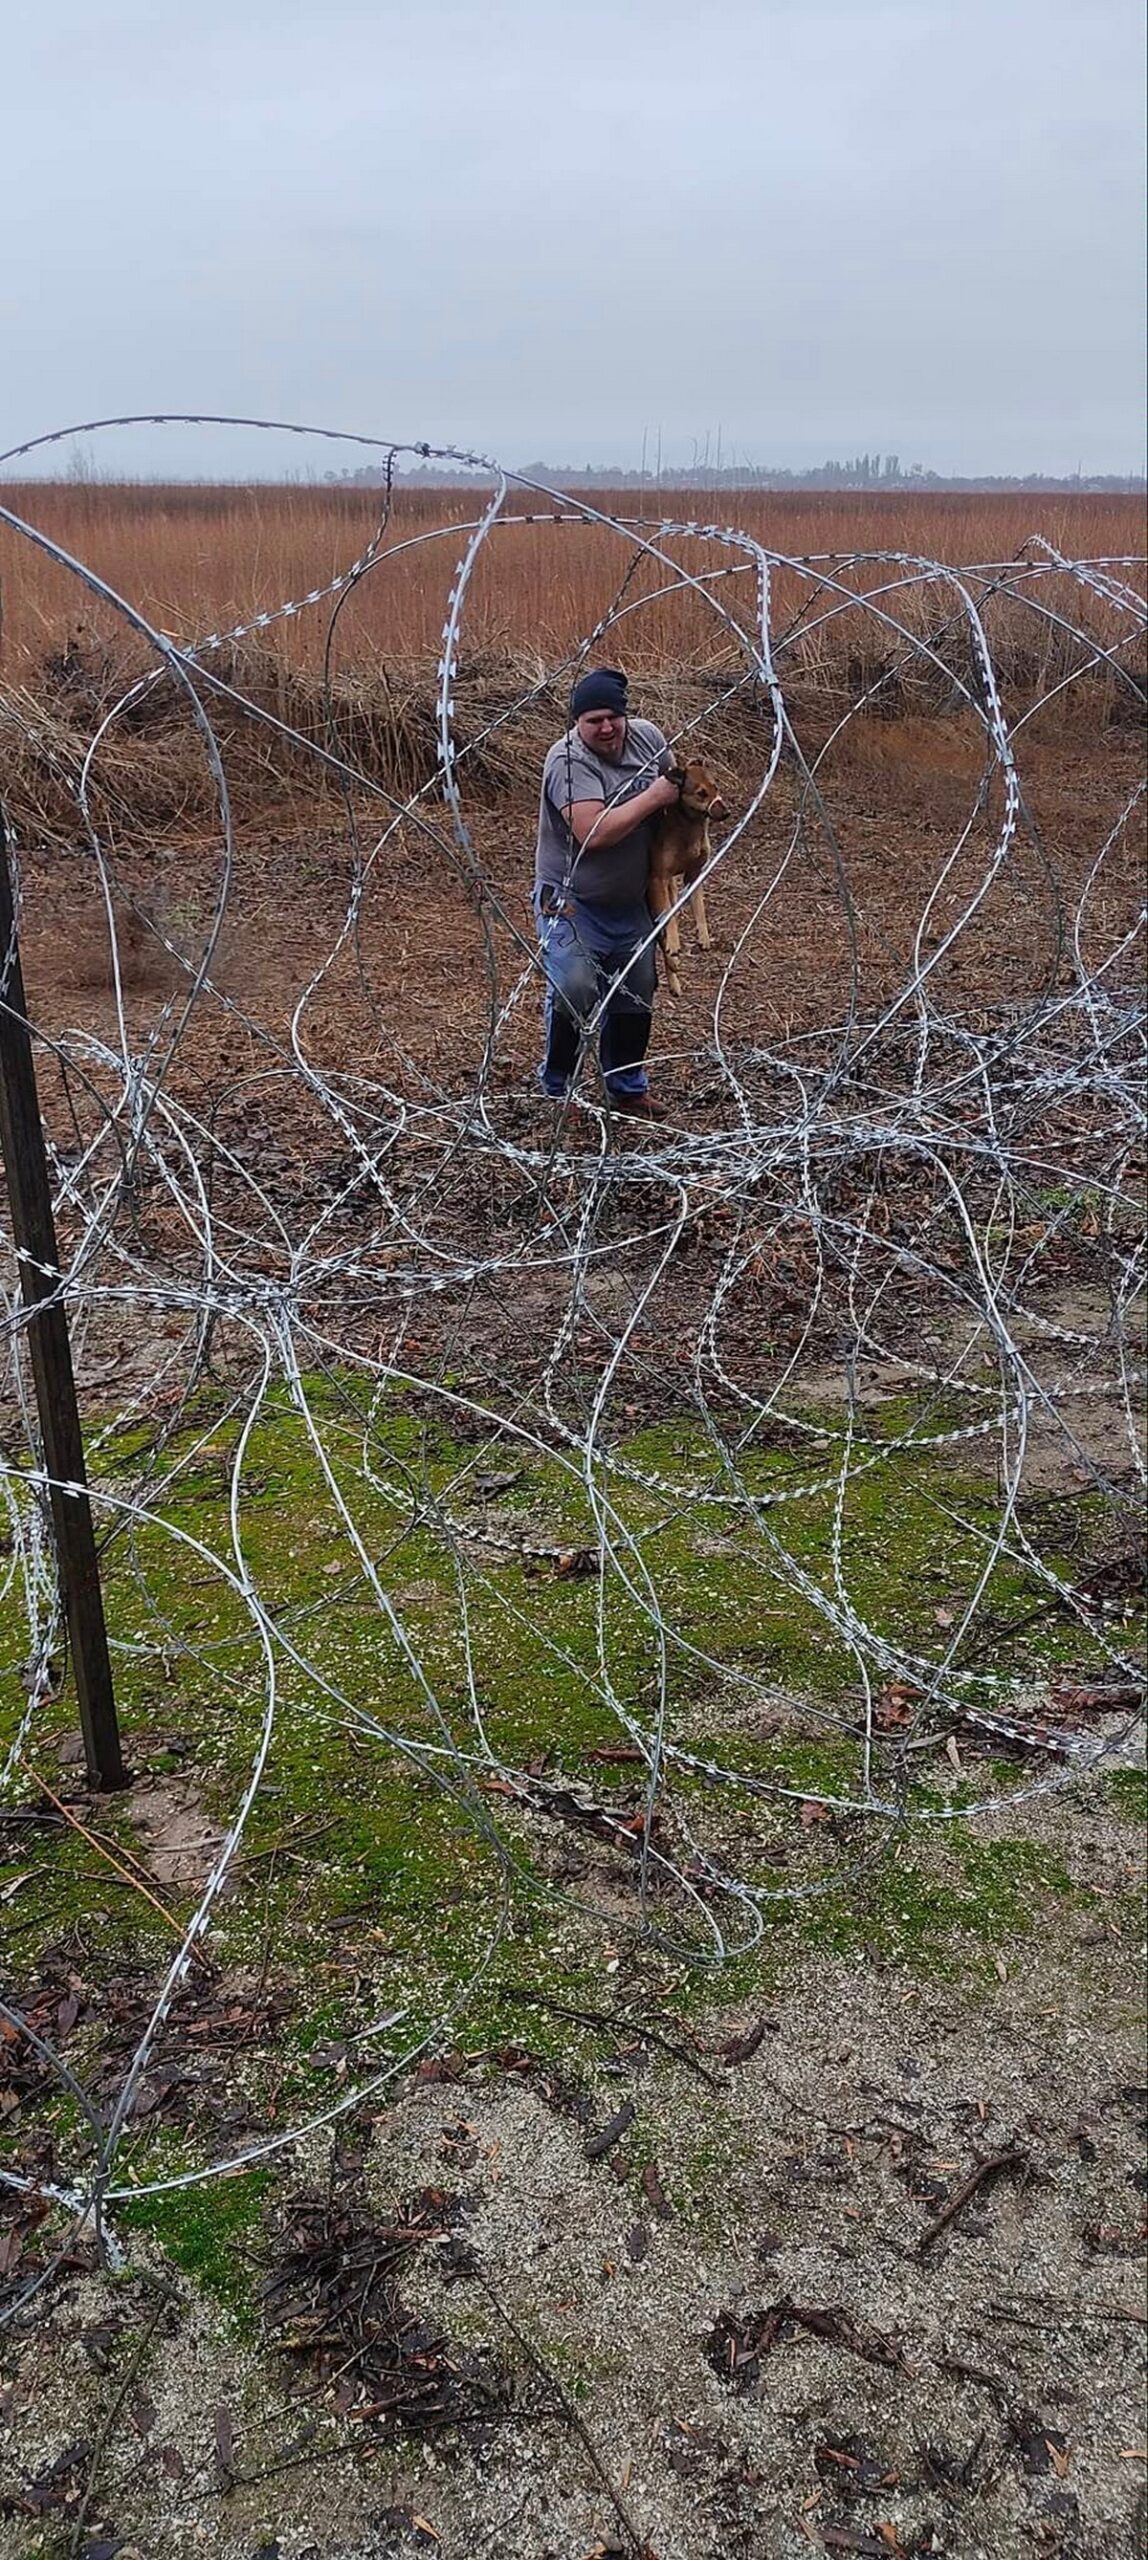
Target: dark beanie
x=604 y=689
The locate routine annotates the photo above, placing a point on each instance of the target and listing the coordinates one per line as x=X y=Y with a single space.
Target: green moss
x=203 y=2229
x=945 y=1909
x=578 y=2369
x=703 y=2177
x=351 y=1828
x=1128 y=1789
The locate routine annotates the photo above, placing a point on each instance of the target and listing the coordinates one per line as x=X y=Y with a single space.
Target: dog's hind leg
x=672 y=943
x=698 y=900
x=659 y=897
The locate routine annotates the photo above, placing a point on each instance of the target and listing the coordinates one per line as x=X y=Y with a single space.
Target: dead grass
x=197 y=560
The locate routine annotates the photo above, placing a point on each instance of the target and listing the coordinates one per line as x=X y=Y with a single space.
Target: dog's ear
x=677 y=773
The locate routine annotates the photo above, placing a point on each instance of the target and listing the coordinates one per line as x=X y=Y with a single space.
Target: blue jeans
x=585 y=955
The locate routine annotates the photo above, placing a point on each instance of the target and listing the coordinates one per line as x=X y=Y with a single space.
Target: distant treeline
x=877 y=473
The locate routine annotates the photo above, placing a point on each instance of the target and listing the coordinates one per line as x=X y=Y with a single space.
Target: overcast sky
x=816 y=225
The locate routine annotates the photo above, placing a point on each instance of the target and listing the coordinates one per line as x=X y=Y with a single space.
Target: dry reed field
x=201 y=558
x=857 y=582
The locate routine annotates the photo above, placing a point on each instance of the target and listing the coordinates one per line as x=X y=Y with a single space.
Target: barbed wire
x=910 y=1176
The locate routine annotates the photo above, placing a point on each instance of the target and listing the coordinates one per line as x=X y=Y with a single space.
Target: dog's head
x=698 y=786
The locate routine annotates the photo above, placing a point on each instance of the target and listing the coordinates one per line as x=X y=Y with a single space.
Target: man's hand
x=663 y=794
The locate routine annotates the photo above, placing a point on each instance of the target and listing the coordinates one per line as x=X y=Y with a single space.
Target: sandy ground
x=982 y=2395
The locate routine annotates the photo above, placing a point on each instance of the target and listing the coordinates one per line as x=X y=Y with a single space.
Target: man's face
x=603 y=732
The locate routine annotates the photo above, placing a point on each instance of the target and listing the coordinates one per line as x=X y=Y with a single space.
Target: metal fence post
x=34 y=1234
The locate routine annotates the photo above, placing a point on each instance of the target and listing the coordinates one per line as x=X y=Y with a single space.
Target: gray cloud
x=823 y=224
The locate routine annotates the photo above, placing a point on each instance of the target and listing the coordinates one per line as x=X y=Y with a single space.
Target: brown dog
x=680 y=850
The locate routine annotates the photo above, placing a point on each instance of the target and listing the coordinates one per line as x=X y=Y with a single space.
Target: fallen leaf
x=11 y=2249
x=224 y=2443
x=654 y=2191
x=895 y=1702
x=142 y=2413
x=1042 y=2449
x=1112 y=1700
x=743 y=2048
x=600 y=2144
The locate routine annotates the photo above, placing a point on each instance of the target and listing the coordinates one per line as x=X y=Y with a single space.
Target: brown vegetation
x=196 y=559
x=360 y=682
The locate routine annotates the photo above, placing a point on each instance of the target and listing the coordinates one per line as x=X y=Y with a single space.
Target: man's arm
x=591 y=822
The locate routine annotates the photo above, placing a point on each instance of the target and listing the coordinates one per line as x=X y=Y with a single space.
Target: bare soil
x=979 y=2394
x=402 y=983
x=726 y=2337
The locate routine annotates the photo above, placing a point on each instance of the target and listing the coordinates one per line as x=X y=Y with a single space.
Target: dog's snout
x=718 y=807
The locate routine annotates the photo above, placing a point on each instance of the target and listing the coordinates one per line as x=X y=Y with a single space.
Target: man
x=603 y=785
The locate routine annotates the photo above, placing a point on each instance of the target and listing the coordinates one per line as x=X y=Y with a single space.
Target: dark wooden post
x=34 y=1232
